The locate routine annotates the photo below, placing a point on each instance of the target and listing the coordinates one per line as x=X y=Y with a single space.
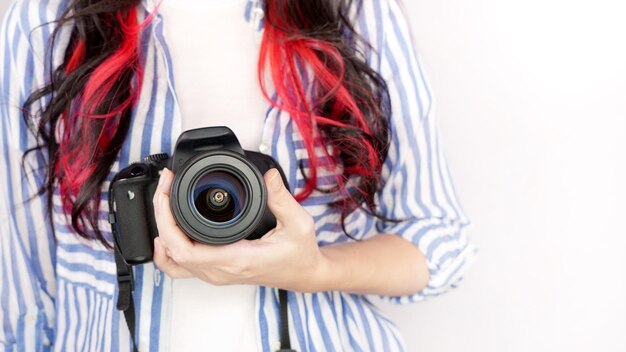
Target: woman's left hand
x=287 y=257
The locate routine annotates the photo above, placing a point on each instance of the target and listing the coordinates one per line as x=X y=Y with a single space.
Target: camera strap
x=125 y=302
x=285 y=343
x=125 y=285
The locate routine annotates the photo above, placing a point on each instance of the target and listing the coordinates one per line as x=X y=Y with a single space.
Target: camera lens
x=219 y=196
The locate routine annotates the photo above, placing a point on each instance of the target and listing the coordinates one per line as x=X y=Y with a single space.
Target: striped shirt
x=58 y=291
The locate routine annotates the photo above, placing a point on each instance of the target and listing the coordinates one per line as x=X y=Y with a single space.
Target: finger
x=165 y=181
x=222 y=255
x=174 y=239
x=166 y=264
x=282 y=204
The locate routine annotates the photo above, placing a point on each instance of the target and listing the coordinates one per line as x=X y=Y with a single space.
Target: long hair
x=93 y=91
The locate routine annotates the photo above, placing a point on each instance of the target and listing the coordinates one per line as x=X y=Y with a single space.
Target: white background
x=532 y=101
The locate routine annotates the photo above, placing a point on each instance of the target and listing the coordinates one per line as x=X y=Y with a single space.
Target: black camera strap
x=125 y=284
x=285 y=343
x=124 y=274
x=125 y=302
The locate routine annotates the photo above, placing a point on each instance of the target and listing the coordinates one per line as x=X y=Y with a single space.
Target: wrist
x=328 y=273
x=319 y=276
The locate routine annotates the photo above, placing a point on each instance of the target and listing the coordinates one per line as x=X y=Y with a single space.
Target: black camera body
x=218 y=194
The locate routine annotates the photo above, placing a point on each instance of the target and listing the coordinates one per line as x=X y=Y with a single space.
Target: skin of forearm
x=385 y=265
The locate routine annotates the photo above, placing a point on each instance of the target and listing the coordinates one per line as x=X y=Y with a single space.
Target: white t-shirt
x=214 y=53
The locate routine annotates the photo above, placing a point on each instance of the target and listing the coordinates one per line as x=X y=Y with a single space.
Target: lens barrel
x=218 y=197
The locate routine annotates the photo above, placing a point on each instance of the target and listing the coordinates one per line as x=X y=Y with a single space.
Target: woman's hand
x=287 y=257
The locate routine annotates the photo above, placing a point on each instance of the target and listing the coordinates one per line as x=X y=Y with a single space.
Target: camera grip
x=133 y=203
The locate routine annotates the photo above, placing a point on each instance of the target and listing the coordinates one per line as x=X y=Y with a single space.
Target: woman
x=91 y=86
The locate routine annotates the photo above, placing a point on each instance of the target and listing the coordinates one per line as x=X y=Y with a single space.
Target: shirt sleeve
x=418 y=192
x=27 y=279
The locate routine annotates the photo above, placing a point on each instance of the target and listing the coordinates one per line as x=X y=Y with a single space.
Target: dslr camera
x=218 y=195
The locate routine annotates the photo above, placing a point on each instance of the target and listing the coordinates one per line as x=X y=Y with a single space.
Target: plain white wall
x=531 y=98
x=532 y=101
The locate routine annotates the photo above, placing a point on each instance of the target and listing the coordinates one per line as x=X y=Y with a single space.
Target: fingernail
x=275 y=181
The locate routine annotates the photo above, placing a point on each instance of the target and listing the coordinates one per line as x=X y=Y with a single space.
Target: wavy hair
x=93 y=91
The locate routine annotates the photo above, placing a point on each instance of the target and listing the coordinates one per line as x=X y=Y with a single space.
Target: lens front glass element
x=219 y=196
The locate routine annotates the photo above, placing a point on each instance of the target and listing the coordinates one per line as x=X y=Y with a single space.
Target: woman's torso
x=86 y=318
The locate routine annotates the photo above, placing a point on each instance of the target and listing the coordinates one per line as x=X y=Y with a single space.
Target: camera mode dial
x=156 y=157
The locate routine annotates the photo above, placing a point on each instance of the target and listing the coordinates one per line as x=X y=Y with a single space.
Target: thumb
x=280 y=201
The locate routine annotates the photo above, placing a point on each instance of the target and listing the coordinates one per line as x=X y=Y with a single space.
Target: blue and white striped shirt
x=60 y=293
